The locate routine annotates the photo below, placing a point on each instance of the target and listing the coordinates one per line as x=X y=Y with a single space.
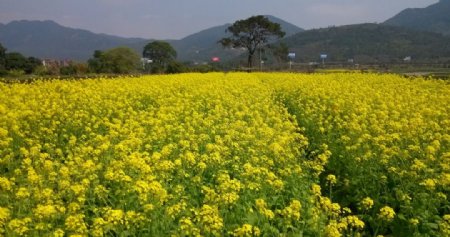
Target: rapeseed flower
x=211 y=154
x=209 y=220
x=386 y=213
x=247 y=230
x=366 y=203
x=4 y=217
x=19 y=226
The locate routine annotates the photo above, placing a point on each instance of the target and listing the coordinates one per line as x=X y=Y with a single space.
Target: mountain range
x=434 y=18
x=420 y=33
x=47 y=39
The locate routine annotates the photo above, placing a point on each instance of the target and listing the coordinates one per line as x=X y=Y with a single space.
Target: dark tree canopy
x=122 y=60
x=2 y=59
x=95 y=63
x=116 y=60
x=32 y=64
x=160 y=52
x=2 y=52
x=251 y=33
x=16 y=61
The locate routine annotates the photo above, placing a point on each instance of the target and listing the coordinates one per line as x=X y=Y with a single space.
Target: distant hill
x=369 y=43
x=47 y=39
x=288 y=28
x=203 y=45
x=434 y=18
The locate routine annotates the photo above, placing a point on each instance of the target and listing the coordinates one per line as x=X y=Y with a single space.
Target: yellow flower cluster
x=292 y=212
x=386 y=213
x=445 y=226
x=261 y=206
x=366 y=203
x=185 y=154
x=388 y=138
x=195 y=154
x=209 y=219
x=247 y=230
x=331 y=179
x=4 y=216
x=349 y=224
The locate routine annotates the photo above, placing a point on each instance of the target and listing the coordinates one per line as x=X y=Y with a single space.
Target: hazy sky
x=174 y=19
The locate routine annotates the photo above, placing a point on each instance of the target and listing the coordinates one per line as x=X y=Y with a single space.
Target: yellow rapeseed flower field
x=237 y=154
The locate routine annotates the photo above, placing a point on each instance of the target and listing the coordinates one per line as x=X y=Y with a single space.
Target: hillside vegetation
x=369 y=43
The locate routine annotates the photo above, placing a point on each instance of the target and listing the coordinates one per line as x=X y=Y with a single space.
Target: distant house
x=52 y=63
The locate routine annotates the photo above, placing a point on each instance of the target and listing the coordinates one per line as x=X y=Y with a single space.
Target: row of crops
x=232 y=154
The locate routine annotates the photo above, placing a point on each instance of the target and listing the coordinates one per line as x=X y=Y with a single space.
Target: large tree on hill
x=161 y=53
x=251 y=33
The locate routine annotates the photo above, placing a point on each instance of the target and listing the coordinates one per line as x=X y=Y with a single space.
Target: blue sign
x=291 y=55
x=323 y=56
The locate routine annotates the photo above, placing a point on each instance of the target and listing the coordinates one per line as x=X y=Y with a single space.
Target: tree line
x=157 y=57
x=16 y=63
x=120 y=60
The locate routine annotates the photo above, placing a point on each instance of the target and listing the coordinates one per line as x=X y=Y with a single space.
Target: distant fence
x=308 y=67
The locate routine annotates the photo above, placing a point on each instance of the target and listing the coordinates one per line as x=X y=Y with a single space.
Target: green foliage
x=201 y=68
x=68 y=70
x=155 y=69
x=96 y=64
x=2 y=56
x=204 y=68
x=2 y=60
x=32 y=64
x=251 y=33
x=17 y=62
x=120 y=60
x=16 y=72
x=175 y=67
x=41 y=71
x=161 y=53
